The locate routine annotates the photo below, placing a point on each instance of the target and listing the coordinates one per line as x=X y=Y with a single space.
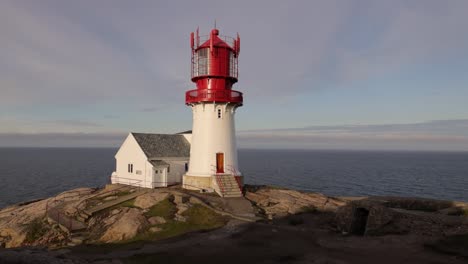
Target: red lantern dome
x=214 y=69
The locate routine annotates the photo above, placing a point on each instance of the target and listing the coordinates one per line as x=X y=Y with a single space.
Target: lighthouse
x=213 y=162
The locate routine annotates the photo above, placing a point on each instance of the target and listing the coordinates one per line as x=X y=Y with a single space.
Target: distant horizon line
x=265 y=149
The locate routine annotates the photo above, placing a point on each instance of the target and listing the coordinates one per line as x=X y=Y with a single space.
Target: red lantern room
x=214 y=69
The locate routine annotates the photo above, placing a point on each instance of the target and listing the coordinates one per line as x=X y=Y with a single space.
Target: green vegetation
x=129 y=203
x=198 y=218
x=35 y=230
x=165 y=209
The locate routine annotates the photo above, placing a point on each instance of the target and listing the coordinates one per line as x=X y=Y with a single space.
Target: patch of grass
x=165 y=209
x=129 y=203
x=197 y=217
x=35 y=230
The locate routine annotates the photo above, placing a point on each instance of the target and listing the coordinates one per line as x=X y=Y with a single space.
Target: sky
x=387 y=75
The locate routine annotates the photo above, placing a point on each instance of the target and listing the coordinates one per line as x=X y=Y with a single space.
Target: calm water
x=30 y=173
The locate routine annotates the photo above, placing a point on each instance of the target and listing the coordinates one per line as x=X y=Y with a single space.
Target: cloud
x=62 y=140
x=433 y=135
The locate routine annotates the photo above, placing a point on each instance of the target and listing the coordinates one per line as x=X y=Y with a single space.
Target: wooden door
x=219 y=162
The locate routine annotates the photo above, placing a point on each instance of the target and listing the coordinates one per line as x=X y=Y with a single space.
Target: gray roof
x=163 y=145
x=185 y=132
x=159 y=163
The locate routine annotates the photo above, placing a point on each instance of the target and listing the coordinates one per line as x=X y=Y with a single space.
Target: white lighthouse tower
x=213 y=153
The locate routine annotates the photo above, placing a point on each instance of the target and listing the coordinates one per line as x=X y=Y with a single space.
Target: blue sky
x=315 y=74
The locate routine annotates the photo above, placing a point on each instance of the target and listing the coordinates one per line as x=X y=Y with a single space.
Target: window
x=130 y=168
x=219 y=113
x=202 y=59
x=186 y=166
x=168 y=170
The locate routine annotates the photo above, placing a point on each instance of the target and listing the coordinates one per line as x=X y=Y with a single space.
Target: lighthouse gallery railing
x=207 y=95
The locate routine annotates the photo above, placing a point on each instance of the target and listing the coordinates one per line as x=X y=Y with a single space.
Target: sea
x=33 y=173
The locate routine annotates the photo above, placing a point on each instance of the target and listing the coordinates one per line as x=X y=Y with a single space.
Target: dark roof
x=185 y=132
x=158 y=163
x=163 y=145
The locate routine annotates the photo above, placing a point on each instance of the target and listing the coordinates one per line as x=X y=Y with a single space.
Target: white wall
x=131 y=153
x=211 y=135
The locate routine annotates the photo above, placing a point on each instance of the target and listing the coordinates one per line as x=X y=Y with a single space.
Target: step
x=232 y=192
x=232 y=195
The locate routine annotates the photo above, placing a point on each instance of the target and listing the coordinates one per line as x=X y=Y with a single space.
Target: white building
x=152 y=160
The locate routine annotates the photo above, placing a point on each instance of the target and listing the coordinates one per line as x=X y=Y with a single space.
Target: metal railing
x=208 y=95
x=58 y=216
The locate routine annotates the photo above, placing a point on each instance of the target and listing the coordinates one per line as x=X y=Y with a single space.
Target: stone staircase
x=228 y=186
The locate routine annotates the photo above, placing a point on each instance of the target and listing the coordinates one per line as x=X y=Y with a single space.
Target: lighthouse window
x=202 y=61
x=130 y=168
x=232 y=65
x=219 y=113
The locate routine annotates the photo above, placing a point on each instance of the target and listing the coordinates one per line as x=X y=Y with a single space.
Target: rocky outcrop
x=127 y=225
x=395 y=215
x=276 y=202
x=15 y=220
x=147 y=200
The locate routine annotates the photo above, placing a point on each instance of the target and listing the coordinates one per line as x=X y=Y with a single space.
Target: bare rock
x=180 y=199
x=156 y=220
x=181 y=208
x=147 y=200
x=112 y=218
x=126 y=227
x=281 y=202
x=155 y=229
x=180 y=218
x=115 y=211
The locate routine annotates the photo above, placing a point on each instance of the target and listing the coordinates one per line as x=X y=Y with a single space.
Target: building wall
x=176 y=170
x=210 y=135
x=131 y=153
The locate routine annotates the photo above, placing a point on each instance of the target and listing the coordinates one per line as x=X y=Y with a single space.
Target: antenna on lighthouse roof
x=215 y=24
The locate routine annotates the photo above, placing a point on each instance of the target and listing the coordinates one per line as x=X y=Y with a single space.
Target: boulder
x=147 y=200
x=281 y=202
x=126 y=227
